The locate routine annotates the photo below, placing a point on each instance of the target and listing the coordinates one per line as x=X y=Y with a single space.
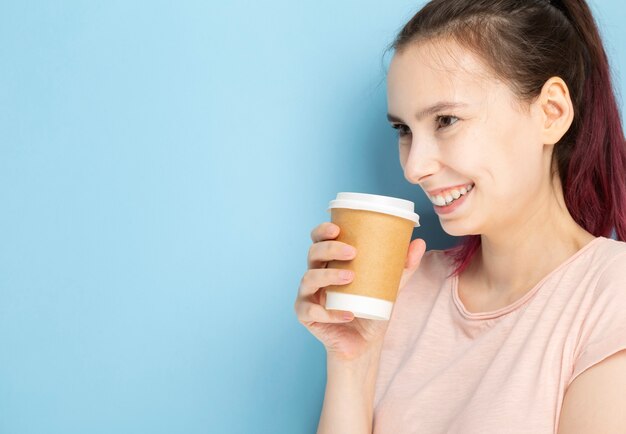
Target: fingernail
x=345 y=274
x=347 y=316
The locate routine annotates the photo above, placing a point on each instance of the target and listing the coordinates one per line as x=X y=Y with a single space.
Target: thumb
x=416 y=251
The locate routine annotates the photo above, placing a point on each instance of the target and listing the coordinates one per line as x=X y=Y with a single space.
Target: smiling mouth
x=450 y=196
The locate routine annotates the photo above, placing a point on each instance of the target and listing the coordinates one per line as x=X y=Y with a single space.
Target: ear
x=556 y=111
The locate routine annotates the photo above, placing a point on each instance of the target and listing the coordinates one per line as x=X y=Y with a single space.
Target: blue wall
x=161 y=167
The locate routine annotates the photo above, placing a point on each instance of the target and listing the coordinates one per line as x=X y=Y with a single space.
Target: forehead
x=430 y=70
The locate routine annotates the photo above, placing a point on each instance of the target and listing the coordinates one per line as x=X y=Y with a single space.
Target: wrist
x=355 y=365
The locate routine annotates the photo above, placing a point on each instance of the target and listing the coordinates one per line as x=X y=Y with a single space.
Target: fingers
x=324 y=231
x=317 y=278
x=324 y=251
x=312 y=312
x=417 y=248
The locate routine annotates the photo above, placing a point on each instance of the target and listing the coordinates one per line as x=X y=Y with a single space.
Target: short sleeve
x=604 y=329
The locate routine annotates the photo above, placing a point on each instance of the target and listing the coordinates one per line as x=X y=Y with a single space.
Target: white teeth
x=441 y=200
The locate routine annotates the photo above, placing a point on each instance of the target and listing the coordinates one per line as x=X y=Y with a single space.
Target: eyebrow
x=442 y=105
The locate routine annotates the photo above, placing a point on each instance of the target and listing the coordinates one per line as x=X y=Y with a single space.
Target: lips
x=447 y=209
x=438 y=191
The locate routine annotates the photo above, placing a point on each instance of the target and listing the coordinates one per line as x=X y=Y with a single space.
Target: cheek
x=524 y=158
x=514 y=166
x=470 y=154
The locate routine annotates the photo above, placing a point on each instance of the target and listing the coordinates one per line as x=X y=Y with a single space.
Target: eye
x=444 y=121
x=401 y=129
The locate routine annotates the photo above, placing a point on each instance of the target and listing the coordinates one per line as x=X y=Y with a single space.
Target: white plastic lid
x=374 y=202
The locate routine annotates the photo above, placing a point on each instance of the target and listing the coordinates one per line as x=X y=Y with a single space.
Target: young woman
x=508 y=121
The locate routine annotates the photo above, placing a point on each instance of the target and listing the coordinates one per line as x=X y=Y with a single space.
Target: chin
x=457 y=230
x=456 y=233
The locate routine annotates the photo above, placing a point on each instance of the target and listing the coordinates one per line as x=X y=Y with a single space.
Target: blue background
x=162 y=165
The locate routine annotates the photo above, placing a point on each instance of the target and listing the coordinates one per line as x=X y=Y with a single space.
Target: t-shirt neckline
x=454 y=283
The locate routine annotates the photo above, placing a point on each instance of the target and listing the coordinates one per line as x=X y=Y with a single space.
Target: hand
x=342 y=334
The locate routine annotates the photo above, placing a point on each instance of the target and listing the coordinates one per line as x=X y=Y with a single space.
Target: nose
x=423 y=160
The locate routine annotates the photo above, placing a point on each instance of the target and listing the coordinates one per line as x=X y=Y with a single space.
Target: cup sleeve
x=603 y=331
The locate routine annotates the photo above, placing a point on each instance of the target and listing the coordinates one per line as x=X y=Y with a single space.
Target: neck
x=511 y=261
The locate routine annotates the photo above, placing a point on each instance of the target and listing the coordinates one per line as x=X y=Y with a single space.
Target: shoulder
x=615 y=253
x=613 y=256
x=433 y=270
x=436 y=263
x=601 y=266
x=603 y=328
x=595 y=401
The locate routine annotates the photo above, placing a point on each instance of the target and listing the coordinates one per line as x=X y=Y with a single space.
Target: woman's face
x=459 y=125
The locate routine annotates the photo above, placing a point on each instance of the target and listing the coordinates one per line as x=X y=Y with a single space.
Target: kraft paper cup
x=380 y=228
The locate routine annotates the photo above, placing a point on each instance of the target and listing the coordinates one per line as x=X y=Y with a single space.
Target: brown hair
x=525 y=43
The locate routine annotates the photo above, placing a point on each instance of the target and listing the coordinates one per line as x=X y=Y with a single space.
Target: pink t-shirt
x=446 y=370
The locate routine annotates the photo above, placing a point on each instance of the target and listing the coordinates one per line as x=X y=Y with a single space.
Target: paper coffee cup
x=380 y=228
